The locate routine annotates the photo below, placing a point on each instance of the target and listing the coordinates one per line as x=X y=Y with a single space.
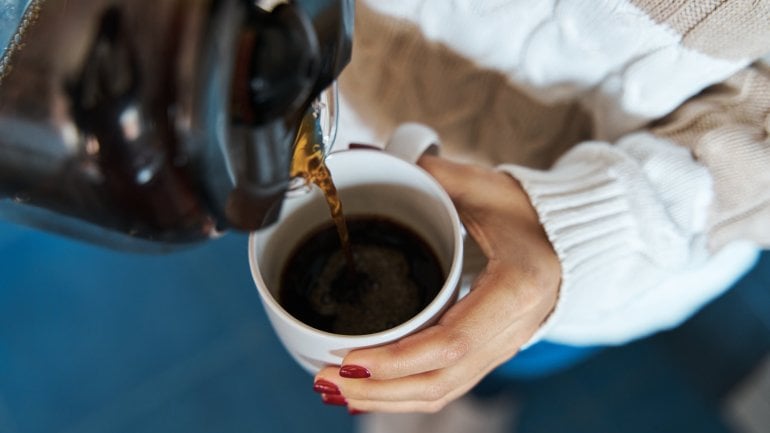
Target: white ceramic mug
x=370 y=182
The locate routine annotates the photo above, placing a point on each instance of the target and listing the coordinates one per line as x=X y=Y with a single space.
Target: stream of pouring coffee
x=308 y=163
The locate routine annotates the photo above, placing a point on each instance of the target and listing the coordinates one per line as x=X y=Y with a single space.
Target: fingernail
x=325 y=387
x=356 y=412
x=334 y=399
x=354 y=372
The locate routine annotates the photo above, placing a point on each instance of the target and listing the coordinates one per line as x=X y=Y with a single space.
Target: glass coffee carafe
x=143 y=124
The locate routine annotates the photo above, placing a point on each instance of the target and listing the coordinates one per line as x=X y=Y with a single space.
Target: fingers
x=434 y=348
x=424 y=392
x=427 y=392
x=495 y=305
x=429 y=369
x=470 y=185
x=467 y=327
x=493 y=206
x=464 y=183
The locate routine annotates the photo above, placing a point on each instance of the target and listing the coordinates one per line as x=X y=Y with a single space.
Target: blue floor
x=97 y=341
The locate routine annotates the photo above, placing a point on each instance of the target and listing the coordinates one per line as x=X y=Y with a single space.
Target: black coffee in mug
x=395 y=274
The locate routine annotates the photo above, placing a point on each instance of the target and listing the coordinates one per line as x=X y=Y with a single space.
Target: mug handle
x=412 y=140
x=408 y=142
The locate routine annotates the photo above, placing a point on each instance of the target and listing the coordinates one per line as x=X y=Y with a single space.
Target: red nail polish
x=356 y=412
x=354 y=372
x=325 y=387
x=334 y=399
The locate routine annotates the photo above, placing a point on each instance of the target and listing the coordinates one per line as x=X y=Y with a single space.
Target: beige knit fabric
x=727 y=128
x=734 y=29
x=396 y=75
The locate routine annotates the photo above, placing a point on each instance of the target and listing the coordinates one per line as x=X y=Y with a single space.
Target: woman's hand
x=508 y=302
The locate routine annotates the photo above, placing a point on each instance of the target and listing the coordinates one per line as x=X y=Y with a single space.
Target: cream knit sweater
x=639 y=129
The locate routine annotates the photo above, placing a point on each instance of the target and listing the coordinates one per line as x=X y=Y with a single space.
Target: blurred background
x=97 y=341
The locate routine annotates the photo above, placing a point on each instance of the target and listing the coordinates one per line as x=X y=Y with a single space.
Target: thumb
x=467 y=185
x=492 y=204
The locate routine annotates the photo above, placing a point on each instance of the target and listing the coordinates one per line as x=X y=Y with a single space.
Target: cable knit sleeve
x=654 y=226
